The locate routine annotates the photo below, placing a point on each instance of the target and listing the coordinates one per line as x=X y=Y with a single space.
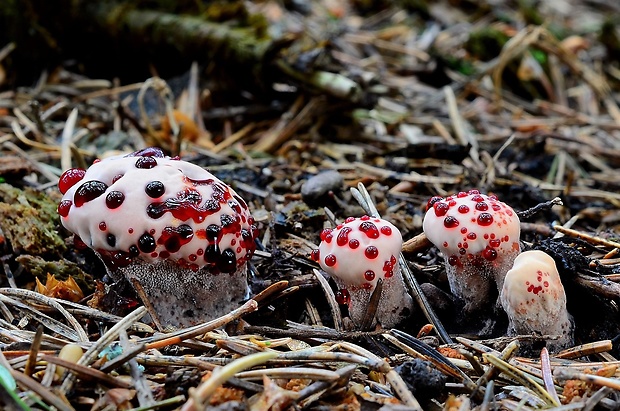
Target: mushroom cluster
x=179 y=235
x=534 y=299
x=478 y=236
x=356 y=254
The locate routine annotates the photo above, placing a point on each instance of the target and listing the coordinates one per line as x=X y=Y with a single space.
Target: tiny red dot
x=353 y=243
x=369 y=275
x=103 y=226
x=485 y=219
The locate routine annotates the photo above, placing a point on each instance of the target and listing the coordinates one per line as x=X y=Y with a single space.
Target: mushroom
x=478 y=236
x=179 y=235
x=356 y=254
x=534 y=299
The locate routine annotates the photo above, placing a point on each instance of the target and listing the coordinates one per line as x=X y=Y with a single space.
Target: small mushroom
x=478 y=236
x=356 y=255
x=178 y=234
x=534 y=299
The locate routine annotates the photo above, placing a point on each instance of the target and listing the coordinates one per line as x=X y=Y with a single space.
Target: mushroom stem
x=183 y=297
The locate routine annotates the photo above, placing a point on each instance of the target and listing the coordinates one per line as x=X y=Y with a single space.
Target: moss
x=29 y=221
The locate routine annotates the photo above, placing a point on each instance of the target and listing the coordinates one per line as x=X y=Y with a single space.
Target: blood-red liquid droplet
x=343 y=297
x=114 y=199
x=431 y=202
x=485 y=219
x=489 y=254
x=155 y=189
x=326 y=235
x=88 y=192
x=450 y=222
x=354 y=243
x=482 y=206
x=349 y=219
x=472 y=192
x=369 y=275
x=463 y=209
x=495 y=243
x=453 y=260
x=371 y=252
x=116 y=178
x=146 y=243
x=385 y=230
x=477 y=198
x=103 y=226
x=330 y=260
x=315 y=255
x=496 y=207
x=64 y=207
x=441 y=209
x=69 y=178
x=471 y=236
x=146 y=162
x=461 y=194
x=369 y=229
x=148 y=152
x=343 y=236
x=365 y=218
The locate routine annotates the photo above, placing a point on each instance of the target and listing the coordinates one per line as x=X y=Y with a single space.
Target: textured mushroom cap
x=533 y=292
x=146 y=206
x=468 y=226
x=360 y=251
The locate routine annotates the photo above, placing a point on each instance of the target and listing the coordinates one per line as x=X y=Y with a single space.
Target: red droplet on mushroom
x=114 y=199
x=330 y=260
x=146 y=162
x=386 y=230
x=103 y=226
x=343 y=236
x=450 y=222
x=369 y=275
x=441 y=208
x=371 y=252
x=69 y=178
x=155 y=189
x=485 y=219
x=431 y=202
x=88 y=191
x=489 y=254
x=326 y=235
x=343 y=297
x=315 y=255
x=369 y=229
x=64 y=207
x=482 y=206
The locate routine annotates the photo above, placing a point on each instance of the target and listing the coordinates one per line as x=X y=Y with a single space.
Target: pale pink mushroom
x=478 y=236
x=356 y=255
x=534 y=299
x=180 y=235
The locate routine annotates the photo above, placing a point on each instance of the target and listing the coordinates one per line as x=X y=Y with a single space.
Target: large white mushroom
x=181 y=236
x=357 y=254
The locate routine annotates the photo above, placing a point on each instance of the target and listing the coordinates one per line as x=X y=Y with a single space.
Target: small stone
x=318 y=187
x=424 y=381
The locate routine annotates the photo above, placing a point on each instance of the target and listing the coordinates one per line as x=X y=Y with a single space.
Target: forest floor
x=406 y=101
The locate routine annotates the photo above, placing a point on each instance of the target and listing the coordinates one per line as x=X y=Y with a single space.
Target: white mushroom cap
x=534 y=299
x=146 y=206
x=469 y=226
x=478 y=236
x=360 y=251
